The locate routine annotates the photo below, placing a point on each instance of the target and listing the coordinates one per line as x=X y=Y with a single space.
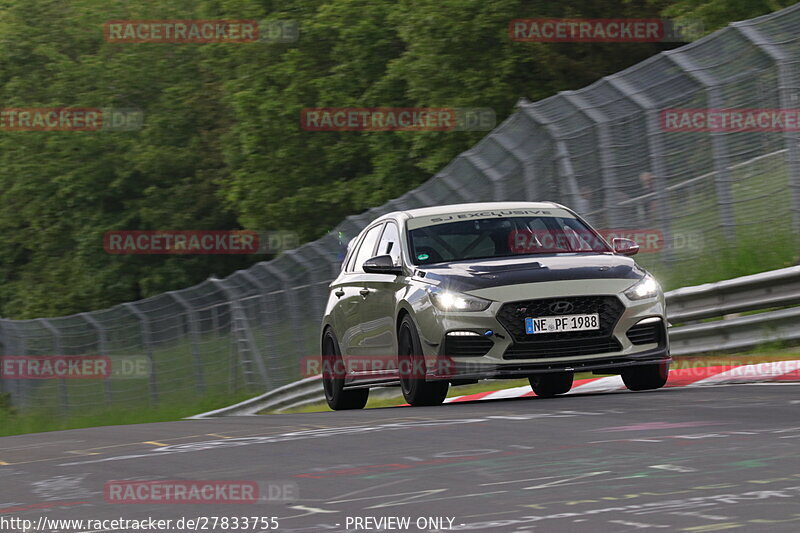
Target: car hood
x=485 y=273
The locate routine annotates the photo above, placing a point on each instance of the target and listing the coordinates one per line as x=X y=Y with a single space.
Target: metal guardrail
x=776 y=288
x=686 y=306
x=308 y=390
x=303 y=392
x=767 y=291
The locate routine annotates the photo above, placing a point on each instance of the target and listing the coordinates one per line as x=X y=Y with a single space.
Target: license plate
x=562 y=323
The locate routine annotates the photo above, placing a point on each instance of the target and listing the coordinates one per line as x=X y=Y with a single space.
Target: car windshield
x=483 y=238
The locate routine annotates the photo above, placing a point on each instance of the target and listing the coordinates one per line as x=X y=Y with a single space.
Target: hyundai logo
x=561 y=307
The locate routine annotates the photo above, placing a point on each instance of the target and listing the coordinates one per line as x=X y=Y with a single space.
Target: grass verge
x=14 y=423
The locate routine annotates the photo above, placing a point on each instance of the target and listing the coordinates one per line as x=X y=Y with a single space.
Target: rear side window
x=366 y=249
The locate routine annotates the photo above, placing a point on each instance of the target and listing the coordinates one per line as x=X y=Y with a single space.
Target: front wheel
x=645 y=377
x=553 y=384
x=416 y=390
x=333 y=375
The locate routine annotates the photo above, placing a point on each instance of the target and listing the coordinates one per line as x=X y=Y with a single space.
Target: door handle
x=339 y=293
x=364 y=292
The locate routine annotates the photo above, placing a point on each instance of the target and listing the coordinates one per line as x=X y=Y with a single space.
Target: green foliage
x=716 y=14
x=41 y=420
x=6 y=407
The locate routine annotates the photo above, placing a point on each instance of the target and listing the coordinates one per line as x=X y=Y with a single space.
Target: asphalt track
x=681 y=459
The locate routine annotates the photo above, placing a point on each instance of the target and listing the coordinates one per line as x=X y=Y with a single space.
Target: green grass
x=751 y=255
x=41 y=420
x=762 y=235
x=99 y=402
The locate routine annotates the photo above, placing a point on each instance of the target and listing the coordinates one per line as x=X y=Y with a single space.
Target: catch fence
x=604 y=150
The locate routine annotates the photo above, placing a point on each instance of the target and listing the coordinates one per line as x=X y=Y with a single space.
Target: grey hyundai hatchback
x=447 y=295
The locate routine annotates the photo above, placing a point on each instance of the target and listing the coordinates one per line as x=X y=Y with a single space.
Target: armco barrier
x=776 y=288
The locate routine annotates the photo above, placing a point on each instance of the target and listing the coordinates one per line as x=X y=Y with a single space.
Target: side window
x=390 y=243
x=366 y=248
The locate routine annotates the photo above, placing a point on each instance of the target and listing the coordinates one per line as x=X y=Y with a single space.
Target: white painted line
x=514 y=392
x=609 y=383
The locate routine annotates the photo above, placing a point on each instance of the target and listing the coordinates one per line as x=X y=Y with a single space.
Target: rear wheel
x=333 y=375
x=645 y=377
x=549 y=385
x=416 y=390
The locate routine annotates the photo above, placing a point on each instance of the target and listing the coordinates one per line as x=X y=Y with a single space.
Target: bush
x=6 y=407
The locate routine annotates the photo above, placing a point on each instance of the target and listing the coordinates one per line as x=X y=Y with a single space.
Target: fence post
x=102 y=342
x=320 y=295
x=568 y=186
x=499 y=192
x=144 y=326
x=242 y=339
x=4 y=342
x=524 y=161
x=788 y=94
x=63 y=393
x=722 y=174
x=611 y=196
x=3 y=351
x=22 y=388
x=456 y=188
x=215 y=320
x=655 y=148
x=194 y=341
x=293 y=306
x=259 y=359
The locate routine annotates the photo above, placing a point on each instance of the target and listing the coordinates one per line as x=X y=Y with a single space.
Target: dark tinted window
x=502 y=237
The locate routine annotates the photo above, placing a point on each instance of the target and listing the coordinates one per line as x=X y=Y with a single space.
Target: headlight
x=647 y=287
x=456 y=301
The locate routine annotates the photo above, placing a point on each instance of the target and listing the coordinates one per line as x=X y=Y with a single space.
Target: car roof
x=460 y=208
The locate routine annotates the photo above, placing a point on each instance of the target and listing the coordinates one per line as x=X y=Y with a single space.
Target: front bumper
x=508 y=353
x=466 y=370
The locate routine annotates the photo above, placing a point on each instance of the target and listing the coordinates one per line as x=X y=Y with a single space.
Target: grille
x=467 y=346
x=528 y=350
x=572 y=343
x=512 y=316
x=647 y=333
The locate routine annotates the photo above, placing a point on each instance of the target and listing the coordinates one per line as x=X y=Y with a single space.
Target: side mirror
x=382 y=264
x=625 y=246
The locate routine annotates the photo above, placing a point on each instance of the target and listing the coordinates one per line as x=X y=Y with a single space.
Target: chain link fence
x=602 y=150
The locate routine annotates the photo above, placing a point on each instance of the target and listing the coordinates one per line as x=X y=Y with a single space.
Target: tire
x=416 y=390
x=645 y=377
x=552 y=384
x=333 y=375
